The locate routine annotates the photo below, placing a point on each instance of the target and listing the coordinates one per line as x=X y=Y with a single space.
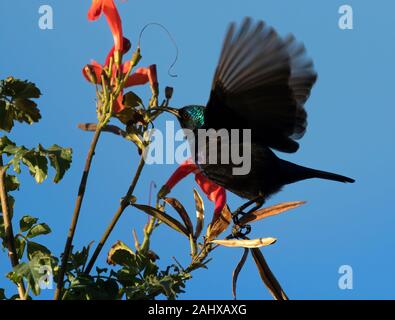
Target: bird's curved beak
x=174 y=111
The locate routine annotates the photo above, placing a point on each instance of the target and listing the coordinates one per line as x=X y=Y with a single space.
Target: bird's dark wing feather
x=261 y=82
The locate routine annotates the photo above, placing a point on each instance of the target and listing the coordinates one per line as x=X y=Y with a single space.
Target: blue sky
x=350 y=131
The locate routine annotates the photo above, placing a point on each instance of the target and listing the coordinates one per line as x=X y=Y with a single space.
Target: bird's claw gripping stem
x=239 y=212
x=241 y=231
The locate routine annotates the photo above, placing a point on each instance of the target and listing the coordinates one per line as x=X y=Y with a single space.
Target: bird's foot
x=241 y=231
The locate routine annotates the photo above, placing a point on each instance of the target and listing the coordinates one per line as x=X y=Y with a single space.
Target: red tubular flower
x=109 y=9
x=126 y=47
x=92 y=73
x=214 y=192
x=140 y=77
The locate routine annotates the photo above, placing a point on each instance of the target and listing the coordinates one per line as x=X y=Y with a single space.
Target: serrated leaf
x=26 y=110
x=34 y=248
x=36 y=159
x=165 y=218
x=182 y=213
x=121 y=254
x=12 y=87
x=38 y=230
x=254 y=243
x=32 y=272
x=5 y=142
x=27 y=222
x=267 y=276
x=79 y=258
x=270 y=211
x=16 y=103
x=60 y=159
x=37 y=163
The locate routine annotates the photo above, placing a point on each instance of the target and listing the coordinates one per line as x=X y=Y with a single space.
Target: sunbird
x=262 y=82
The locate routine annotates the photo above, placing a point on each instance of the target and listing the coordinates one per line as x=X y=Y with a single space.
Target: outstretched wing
x=261 y=82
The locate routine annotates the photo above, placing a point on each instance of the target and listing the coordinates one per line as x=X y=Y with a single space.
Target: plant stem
x=147 y=234
x=10 y=239
x=124 y=204
x=78 y=203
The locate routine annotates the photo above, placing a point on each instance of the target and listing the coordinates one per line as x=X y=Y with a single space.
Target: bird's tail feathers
x=330 y=176
x=298 y=173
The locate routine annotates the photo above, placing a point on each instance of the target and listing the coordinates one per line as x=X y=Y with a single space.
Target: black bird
x=261 y=83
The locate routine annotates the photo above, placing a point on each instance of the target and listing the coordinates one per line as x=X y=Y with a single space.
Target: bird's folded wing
x=262 y=82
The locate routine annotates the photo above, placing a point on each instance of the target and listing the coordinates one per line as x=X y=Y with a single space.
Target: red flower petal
x=118 y=104
x=109 y=9
x=92 y=72
x=95 y=10
x=214 y=192
x=126 y=47
x=142 y=76
x=181 y=172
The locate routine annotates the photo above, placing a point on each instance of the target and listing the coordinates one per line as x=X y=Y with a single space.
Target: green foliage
x=16 y=103
x=86 y=287
x=39 y=258
x=11 y=182
x=38 y=229
x=36 y=160
x=27 y=222
x=140 y=277
x=37 y=271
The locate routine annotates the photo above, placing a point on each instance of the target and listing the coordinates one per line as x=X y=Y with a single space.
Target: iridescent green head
x=190 y=117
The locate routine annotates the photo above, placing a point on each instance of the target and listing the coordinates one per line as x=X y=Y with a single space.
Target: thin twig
x=124 y=204
x=9 y=233
x=74 y=221
x=108 y=128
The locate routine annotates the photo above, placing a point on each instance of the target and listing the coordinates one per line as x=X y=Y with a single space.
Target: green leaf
x=16 y=88
x=121 y=254
x=34 y=248
x=27 y=222
x=32 y=272
x=16 y=103
x=20 y=245
x=37 y=163
x=165 y=218
x=131 y=99
x=79 y=258
x=6 y=118
x=36 y=159
x=26 y=111
x=84 y=287
x=11 y=182
x=39 y=229
x=60 y=159
x=5 y=142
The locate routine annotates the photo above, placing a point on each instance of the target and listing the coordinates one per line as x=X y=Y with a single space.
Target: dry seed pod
x=254 y=243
